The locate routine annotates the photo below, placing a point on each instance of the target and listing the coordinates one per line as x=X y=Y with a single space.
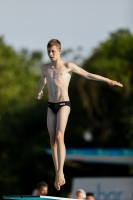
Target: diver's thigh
x=62 y=118
x=51 y=121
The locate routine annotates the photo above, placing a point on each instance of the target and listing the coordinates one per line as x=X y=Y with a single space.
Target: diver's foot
x=60 y=179
x=56 y=184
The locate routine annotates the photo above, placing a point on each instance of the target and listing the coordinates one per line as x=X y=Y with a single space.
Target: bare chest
x=59 y=74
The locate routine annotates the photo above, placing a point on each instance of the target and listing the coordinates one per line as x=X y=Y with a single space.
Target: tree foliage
x=109 y=109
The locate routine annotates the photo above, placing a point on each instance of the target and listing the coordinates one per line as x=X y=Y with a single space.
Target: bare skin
x=90 y=198
x=42 y=191
x=57 y=75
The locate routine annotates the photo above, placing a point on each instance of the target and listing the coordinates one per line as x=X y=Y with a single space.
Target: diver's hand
x=39 y=95
x=112 y=83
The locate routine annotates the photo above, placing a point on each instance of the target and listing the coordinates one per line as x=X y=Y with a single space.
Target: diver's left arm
x=91 y=76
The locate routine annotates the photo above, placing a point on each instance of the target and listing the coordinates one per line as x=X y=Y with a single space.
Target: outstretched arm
x=90 y=76
x=42 y=82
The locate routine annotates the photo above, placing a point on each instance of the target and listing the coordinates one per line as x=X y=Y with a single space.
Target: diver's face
x=53 y=53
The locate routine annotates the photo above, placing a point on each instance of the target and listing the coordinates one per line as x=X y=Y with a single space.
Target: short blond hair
x=54 y=42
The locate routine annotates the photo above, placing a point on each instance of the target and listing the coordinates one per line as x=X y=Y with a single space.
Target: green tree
x=21 y=130
x=108 y=110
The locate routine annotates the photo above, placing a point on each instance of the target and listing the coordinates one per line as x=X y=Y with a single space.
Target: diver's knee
x=52 y=140
x=60 y=136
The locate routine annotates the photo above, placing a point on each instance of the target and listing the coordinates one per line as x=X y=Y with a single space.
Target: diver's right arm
x=42 y=82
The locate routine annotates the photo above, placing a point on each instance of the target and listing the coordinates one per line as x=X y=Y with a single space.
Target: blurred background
x=96 y=35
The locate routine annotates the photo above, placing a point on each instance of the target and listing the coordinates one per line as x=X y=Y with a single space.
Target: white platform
x=30 y=197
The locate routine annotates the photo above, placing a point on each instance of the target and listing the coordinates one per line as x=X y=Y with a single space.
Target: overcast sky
x=32 y=23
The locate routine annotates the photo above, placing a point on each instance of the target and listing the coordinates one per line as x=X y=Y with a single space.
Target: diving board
x=30 y=197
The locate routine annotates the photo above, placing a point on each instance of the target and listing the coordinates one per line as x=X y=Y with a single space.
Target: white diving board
x=30 y=197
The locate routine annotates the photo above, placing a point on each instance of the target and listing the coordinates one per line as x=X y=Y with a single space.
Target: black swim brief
x=56 y=106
